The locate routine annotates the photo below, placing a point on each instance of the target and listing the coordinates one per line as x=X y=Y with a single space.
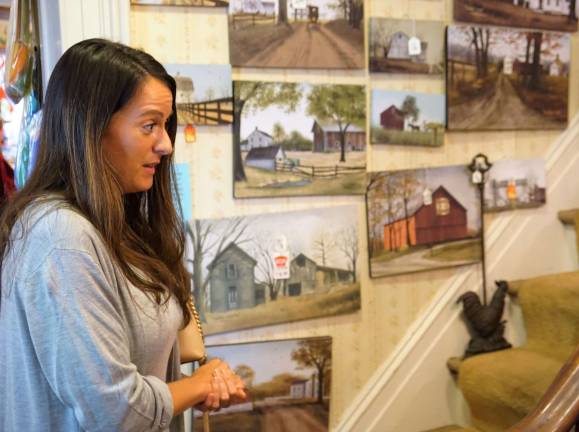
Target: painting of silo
x=422 y=219
x=391 y=41
x=234 y=262
x=204 y=94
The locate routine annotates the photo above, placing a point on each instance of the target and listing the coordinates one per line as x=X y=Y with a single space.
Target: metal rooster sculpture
x=485 y=321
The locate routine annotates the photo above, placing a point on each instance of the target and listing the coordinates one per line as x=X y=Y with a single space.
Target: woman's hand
x=226 y=388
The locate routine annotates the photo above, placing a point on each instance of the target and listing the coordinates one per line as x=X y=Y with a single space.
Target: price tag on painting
x=414 y=46
x=280 y=258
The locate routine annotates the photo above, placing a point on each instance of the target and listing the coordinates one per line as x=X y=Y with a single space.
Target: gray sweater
x=80 y=348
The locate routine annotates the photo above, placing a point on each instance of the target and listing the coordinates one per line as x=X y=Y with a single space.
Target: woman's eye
x=149 y=127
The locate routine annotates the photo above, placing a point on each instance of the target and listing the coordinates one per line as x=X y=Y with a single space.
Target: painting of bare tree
x=389 y=46
x=421 y=220
x=559 y=15
x=504 y=79
x=289 y=383
x=233 y=266
x=317 y=34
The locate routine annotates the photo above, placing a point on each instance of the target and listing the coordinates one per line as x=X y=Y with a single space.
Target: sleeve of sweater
x=81 y=344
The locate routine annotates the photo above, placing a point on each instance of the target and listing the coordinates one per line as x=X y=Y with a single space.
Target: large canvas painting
x=313 y=34
x=205 y=3
x=407 y=118
x=389 y=44
x=234 y=265
x=560 y=15
x=294 y=139
x=504 y=79
x=204 y=94
x=422 y=219
x=289 y=383
x=515 y=184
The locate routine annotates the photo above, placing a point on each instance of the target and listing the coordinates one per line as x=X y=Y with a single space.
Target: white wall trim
x=373 y=409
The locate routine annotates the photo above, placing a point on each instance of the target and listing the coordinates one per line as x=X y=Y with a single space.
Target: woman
x=93 y=288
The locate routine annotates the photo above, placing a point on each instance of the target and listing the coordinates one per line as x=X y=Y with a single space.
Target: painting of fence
x=234 y=263
x=204 y=3
x=505 y=79
x=559 y=15
x=515 y=184
x=289 y=383
x=407 y=118
x=421 y=220
x=317 y=34
x=318 y=149
x=389 y=46
x=204 y=94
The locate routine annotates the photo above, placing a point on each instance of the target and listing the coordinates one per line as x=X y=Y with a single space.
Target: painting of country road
x=422 y=219
x=289 y=386
x=558 y=15
x=304 y=34
x=274 y=268
x=292 y=139
x=505 y=79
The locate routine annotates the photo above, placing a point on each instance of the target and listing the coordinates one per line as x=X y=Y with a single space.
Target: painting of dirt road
x=317 y=34
x=288 y=382
x=505 y=79
x=422 y=219
x=559 y=15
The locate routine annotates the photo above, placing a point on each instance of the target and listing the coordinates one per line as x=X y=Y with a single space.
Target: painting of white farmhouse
x=234 y=264
x=289 y=383
x=306 y=34
x=505 y=79
x=422 y=219
x=293 y=139
x=515 y=184
x=390 y=42
x=407 y=118
x=559 y=15
x=204 y=94
x=205 y=3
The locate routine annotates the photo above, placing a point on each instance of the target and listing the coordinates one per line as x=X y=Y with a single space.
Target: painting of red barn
x=559 y=15
x=289 y=385
x=312 y=34
x=421 y=220
x=506 y=79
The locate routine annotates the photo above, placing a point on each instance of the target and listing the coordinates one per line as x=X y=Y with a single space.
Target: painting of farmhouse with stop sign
x=305 y=34
x=505 y=79
x=422 y=219
x=515 y=184
x=289 y=386
x=204 y=94
x=391 y=41
x=298 y=139
x=238 y=266
x=407 y=118
x=559 y=15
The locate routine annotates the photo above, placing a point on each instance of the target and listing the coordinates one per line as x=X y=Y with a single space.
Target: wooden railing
x=318 y=171
x=213 y=112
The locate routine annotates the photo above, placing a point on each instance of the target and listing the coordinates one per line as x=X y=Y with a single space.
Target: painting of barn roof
x=292 y=139
x=289 y=385
x=389 y=46
x=204 y=94
x=505 y=79
x=204 y=3
x=233 y=265
x=312 y=34
x=421 y=220
x=559 y=15
x=407 y=118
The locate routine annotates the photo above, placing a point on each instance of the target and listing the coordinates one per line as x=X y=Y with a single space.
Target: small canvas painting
x=313 y=34
x=293 y=139
x=505 y=79
x=559 y=15
x=422 y=219
x=204 y=94
x=515 y=184
x=289 y=385
x=236 y=265
x=406 y=46
x=205 y=3
x=407 y=118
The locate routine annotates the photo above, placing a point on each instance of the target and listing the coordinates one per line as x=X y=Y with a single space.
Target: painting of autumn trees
x=506 y=79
